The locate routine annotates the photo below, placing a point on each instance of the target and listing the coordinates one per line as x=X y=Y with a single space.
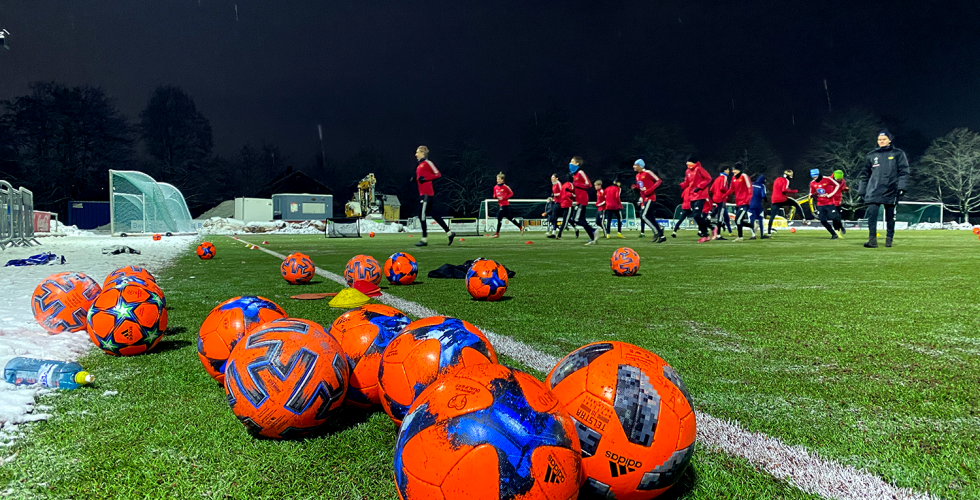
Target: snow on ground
x=221 y=225
x=20 y=334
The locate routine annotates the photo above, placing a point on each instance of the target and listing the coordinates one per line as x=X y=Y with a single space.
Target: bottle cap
x=83 y=378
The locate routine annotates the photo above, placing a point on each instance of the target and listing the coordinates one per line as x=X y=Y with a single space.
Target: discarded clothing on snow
x=41 y=259
x=449 y=271
x=118 y=249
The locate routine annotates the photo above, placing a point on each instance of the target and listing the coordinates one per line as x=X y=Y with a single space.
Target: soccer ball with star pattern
x=127 y=319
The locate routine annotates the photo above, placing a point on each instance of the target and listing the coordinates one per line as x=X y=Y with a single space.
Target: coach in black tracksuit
x=883 y=179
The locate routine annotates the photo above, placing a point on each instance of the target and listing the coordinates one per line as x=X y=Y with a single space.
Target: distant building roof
x=294 y=181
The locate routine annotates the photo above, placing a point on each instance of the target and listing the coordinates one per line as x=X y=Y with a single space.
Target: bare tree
x=756 y=153
x=952 y=165
x=842 y=144
x=66 y=139
x=468 y=178
x=176 y=135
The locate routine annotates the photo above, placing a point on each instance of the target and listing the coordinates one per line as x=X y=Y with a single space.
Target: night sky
x=392 y=75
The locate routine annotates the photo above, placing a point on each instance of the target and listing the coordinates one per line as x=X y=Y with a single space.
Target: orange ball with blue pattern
x=486 y=280
x=625 y=262
x=362 y=268
x=297 y=269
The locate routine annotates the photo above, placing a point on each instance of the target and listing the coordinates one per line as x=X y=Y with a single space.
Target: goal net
x=530 y=213
x=138 y=205
x=343 y=227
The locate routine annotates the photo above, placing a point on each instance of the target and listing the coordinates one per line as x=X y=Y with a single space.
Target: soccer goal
x=140 y=205
x=530 y=213
x=344 y=227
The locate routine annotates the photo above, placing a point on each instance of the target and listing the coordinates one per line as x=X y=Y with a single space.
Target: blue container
x=50 y=374
x=88 y=214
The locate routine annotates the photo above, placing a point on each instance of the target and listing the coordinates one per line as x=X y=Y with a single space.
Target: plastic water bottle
x=48 y=373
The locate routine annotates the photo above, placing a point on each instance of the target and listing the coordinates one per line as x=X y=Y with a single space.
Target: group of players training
x=884 y=176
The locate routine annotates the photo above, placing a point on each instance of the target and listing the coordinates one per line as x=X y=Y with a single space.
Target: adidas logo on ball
x=554 y=474
x=619 y=465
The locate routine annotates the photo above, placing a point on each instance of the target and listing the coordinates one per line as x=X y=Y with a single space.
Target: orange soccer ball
x=364 y=333
x=486 y=280
x=427 y=348
x=792 y=229
x=634 y=417
x=284 y=378
x=487 y=431
x=132 y=272
x=157 y=237
x=976 y=229
x=401 y=269
x=226 y=324
x=205 y=251
x=127 y=319
x=625 y=262
x=61 y=302
x=362 y=268
x=297 y=269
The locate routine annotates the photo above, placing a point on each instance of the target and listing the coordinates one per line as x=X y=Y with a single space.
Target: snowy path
x=20 y=335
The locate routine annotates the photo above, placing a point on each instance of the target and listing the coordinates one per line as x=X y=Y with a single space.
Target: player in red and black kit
x=567 y=205
x=556 y=210
x=503 y=194
x=838 y=200
x=824 y=189
x=685 y=210
x=614 y=208
x=780 y=190
x=425 y=173
x=696 y=179
x=581 y=183
x=600 y=206
x=647 y=183
x=742 y=189
x=721 y=190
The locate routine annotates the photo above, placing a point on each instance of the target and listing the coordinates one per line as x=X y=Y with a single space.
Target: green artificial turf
x=867 y=357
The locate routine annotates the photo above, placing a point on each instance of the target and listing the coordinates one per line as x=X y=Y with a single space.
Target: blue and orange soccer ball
x=487 y=431
x=486 y=280
x=426 y=349
x=132 y=272
x=284 y=379
x=205 y=251
x=625 y=262
x=635 y=419
x=401 y=269
x=362 y=268
x=297 y=269
x=127 y=319
x=364 y=333
x=61 y=302
x=226 y=324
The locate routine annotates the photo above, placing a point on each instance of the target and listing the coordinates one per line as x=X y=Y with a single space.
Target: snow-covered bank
x=221 y=225
x=20 y=335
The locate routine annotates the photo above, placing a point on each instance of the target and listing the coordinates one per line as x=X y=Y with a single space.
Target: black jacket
x=884 y=173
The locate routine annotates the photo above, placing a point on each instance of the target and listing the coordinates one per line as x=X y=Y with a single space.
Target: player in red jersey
x=838 y=200
x=721 y=190
x=614 y=208
x=567 y=205
x=581 y=183
x=824 y=189
x=503 y=194
x=696 y=179
x=742 y=189
x=556 y=209
x=600 y=206
x=780 y=190
x=425 y=173
x=647 y=183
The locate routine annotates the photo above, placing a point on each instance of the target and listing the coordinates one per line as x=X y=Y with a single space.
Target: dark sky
x=394 y=74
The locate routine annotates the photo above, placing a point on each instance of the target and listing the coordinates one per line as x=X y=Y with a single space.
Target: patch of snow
x=110 y=393
x=20 y=335
x=225 y=226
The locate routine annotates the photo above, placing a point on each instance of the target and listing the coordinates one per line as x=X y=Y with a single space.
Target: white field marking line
x=794 y=464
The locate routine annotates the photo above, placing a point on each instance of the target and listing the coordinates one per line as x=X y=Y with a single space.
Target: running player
x=581 y=183
x=824 y=189
x=614 y=208
x=685 y=210
x=838 y=200
x=780 y=188
x=721 y=190
x=566 y=203
x=600 y=206
x=742 y=189
x=757 y=206
x=647 y=183
x=556 y=198
x=425 y=173
x=503 y=194
x=696 y=179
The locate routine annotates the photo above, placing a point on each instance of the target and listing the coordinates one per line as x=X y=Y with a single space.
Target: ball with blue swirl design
x=486 y=280
x=401 y=269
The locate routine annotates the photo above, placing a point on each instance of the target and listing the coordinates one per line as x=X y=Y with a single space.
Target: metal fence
x=16 y=217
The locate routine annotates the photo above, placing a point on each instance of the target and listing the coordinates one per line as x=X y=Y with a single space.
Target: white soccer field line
x=796 y=465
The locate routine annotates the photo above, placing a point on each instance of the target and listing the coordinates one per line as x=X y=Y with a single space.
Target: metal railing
x=16 y=217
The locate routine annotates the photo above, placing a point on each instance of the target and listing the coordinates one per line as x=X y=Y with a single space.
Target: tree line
x=60 y=141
